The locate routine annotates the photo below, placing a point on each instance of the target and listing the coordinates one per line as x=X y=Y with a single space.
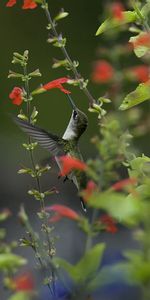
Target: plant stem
x=37 y=179
x=88 y=245
x=67 y=56
x=36 y=245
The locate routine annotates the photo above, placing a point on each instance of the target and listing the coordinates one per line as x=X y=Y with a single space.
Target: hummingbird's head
x=79 y=122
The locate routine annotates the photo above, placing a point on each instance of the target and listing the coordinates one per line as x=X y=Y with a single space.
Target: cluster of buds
x=98 y=107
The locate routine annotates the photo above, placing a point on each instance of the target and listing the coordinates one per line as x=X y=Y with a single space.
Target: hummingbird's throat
x=69 y=134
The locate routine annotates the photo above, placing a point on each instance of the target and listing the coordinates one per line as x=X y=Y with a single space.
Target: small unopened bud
x=35 y=73
x=62 y=14
x=22 y=215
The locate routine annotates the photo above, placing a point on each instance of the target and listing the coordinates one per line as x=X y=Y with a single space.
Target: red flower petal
x=11 y=3
x=102 y=72
x=62 y=211
x=109 y=222
x=142 y=40
x=123 y=183
x=57 y=84
x=117 y=11
x=29 y=4
x=16 y=96
x=55 y=218
x=24 y=282
x=63 y=89
x=69 y=163
x=141 y=73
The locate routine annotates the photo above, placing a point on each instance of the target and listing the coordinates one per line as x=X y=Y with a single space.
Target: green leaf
x=139 y=50
x=111 y=23
x=9 y=261
x=20 y=296
x=139 y=268
x=145 y=9
x=107 y=275
x=141 y=94
x=134 y=271
x=139 y=167
x=87 y=267
x=119 y=206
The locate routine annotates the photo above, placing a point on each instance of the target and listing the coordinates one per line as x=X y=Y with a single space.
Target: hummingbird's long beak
x=72 y=102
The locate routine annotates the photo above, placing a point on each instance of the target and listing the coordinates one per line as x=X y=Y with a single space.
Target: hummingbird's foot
x=66 y=178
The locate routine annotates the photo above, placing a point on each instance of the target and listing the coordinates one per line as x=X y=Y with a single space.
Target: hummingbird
x=68 y=144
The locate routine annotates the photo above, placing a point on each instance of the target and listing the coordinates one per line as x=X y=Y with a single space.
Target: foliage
x=103 y=188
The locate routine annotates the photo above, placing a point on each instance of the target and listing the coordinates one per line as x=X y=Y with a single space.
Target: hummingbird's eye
x=75 y=115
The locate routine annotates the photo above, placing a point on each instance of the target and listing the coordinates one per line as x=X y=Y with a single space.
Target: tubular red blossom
x=141 y=73
x=11 y=3
x=57 y=84
x=62 y=211
x=90 y=189
x=102 y=72
x=69 y=163
x=16 y=96
x=109 y=222
x=117 y=11
x=142 y=40
x=24 y=282
x=29 y=4
x=123 y=183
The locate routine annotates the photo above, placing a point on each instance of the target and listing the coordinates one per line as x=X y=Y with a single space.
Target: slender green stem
x=89 y=240
x=36 y=249
x=37 y=178
x=66 y=55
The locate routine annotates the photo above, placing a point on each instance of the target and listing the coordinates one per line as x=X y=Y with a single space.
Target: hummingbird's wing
x=47 y=140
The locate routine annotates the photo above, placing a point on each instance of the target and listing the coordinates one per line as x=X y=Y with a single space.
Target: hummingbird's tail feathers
x=83 y=205
x=47 y=140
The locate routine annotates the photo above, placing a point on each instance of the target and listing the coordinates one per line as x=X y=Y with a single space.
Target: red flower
x=57 y=84
x=142 y=40
x=16 y=96
x=109 y=222
x=69 y=163
x=117 y=11
x=102 y=72
x=62 y=211
x=29 y=4
x=123 y=183
x=90 y=188
x=141 y=73
x=11 y=3
x=24 y=282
